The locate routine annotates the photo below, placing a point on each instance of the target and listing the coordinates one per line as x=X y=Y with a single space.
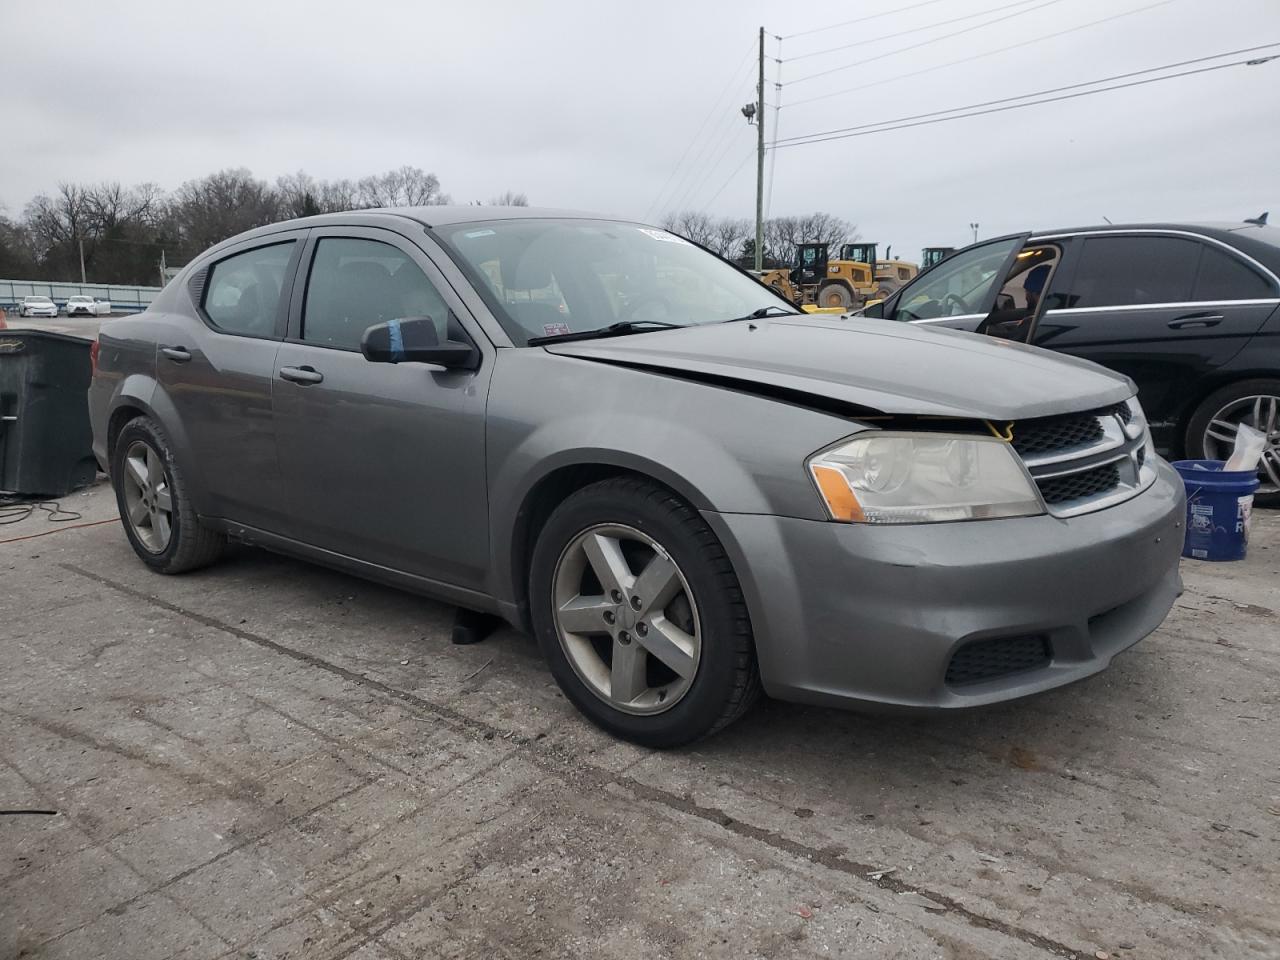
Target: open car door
x=960 y=292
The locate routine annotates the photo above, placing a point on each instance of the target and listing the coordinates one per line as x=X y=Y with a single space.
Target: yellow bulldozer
x=846 y=282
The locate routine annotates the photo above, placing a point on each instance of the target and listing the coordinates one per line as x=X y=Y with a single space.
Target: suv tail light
x=93 y=357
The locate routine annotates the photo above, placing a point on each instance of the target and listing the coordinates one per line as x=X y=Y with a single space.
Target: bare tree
x=692 y=225
x=730 y=233
x=221 y=205
x=509 y=198
x=782 y=234
x=405 y=187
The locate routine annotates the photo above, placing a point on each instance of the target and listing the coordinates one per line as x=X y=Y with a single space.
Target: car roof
x=1260 y=242
x=428 y=216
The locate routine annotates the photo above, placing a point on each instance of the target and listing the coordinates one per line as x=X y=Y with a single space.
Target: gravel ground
x=271 y=760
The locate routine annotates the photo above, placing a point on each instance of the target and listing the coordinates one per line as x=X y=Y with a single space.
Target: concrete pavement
x=268 y=759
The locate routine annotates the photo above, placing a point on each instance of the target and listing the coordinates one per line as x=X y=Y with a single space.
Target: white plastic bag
x=1248 y=449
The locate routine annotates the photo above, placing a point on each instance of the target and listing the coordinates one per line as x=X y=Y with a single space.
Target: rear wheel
x=154 y=507
x=835 y=295
x=1212 y=430
x=640 y=616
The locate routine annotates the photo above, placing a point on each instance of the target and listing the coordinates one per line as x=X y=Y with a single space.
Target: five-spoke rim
x=1263 y=414
x=148 y=500
x=626 y=619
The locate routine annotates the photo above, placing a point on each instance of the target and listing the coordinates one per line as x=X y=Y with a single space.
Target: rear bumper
x=871 y=617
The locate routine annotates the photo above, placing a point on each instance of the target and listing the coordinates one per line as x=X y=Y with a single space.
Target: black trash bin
x=46 y=443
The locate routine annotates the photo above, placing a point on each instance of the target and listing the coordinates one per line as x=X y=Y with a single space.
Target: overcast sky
x=592 y=104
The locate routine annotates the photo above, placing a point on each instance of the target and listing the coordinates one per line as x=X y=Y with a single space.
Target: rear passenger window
x=1124 y=271
x=243 y=292
x=1224 y=277
x=357 y=283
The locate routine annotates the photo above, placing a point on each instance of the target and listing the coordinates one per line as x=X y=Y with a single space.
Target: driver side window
x=958 y=286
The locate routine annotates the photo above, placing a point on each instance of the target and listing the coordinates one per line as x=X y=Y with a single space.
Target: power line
x=733 y=78
x=729 y=179
x=925 y=43
x=903 y=33
x=822 y=136
x=979 y=56
x=874 y=16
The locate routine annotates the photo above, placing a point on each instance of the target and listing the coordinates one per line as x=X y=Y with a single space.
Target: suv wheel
x=1211 y=432
x=640 y=616
x=157 y=515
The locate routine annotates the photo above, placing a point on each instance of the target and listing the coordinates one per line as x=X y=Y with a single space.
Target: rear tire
x=835 y=295
x=155 y=508
x=1211 y=427
x=661 y=529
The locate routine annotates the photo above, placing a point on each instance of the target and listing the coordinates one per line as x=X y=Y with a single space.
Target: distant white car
x=37 y=307
x=87 y=306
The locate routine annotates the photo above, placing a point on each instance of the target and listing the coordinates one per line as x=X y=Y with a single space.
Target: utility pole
x=760 y=160
x=81 y=239
x=164 y=274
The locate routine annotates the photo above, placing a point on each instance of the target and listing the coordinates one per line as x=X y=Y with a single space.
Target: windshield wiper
x=621 y=328
x=763 y=312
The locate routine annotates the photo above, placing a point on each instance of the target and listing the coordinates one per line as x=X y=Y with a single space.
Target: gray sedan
x=612 y=438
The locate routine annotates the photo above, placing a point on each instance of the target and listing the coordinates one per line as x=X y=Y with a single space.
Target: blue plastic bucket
x=1219 y=503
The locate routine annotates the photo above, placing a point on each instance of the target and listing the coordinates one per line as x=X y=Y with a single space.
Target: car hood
x=878 y=365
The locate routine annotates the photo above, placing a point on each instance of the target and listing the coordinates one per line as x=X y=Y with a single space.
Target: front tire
x=835 y=295
x=155 y=509
x=640 y=615
x=1212 y=429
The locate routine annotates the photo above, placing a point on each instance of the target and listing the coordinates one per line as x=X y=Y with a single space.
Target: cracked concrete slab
x=274 y=760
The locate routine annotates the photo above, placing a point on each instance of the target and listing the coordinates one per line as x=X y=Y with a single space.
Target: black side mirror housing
x=414 y=340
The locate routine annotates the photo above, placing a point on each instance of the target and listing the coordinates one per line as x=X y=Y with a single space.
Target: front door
x=1165 y=310
x=381 y=462
x=218 y=372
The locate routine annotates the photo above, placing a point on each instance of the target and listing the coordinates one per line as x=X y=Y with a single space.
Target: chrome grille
x=1084 y=461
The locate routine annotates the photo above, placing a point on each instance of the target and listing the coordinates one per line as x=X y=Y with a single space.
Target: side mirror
x=414 y=340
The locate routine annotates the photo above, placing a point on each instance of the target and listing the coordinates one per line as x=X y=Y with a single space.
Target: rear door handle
x=176 y=354
x=1196 y=320
x=301 y=375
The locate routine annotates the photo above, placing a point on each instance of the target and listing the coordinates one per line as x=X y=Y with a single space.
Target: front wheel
x=640 y=615
x=157 y=514
x=1212 y=429
x=835 y=295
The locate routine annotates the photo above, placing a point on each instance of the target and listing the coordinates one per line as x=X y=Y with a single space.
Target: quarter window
x=355 y=284
x=1224 y=277
x=1125 y=271
x=243 y=292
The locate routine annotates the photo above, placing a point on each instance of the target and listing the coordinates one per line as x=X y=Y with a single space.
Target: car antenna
x=1259 y=221
x=1108 y=219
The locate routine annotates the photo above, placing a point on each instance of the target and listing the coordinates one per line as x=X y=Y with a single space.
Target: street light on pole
x=974 y=228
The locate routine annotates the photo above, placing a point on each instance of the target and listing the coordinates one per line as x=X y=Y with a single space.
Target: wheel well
x=547 y=494
x=119 y=418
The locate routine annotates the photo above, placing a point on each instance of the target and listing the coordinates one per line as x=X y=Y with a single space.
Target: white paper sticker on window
x=663 y=236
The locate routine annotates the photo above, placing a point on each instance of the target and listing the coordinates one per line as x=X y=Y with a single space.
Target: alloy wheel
x=1262 y=412
x=626 y=619
x=148 y=499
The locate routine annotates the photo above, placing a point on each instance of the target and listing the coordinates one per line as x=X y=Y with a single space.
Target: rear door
x=217 y=371
x=1165 y=309
x=382 y=462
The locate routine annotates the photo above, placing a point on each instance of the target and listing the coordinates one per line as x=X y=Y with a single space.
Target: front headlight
x=923 y=478
x=1138 y=425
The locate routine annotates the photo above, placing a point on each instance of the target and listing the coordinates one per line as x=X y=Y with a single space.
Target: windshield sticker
x=555 y=329
x=663 y=236
x=475 y=234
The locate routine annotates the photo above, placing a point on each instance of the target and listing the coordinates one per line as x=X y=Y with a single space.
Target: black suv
x=1190 y=311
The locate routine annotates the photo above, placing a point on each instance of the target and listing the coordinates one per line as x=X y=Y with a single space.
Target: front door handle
x=176 y=354
x=1196 y=320
x=301 y=375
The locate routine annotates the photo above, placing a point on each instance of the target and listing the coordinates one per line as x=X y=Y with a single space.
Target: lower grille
x=1077 y=486
x=988 y=659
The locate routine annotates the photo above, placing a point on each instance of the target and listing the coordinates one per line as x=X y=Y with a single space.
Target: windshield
x=41 y=301
x=81 y=300
x=958 y=286
x=545 y=278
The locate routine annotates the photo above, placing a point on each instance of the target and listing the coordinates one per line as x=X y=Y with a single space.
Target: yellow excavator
x=846 y=282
